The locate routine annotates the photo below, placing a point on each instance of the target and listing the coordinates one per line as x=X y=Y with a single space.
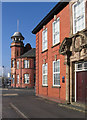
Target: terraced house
x=22 y=62
x=61 y=53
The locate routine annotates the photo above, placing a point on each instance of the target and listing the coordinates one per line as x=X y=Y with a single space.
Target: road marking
x=9 y=94
x=72 y=108
x=3 y=88
x=16 y=109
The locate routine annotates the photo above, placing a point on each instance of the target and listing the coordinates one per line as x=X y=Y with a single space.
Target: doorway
x=81 y=82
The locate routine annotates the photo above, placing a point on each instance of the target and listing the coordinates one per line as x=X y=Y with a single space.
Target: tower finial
x=17 y=25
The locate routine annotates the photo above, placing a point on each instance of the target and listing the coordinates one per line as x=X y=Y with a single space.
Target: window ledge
x=26 y=68
x=56 y=86
x=55 y=45
x=44 y=85
x=44 y=51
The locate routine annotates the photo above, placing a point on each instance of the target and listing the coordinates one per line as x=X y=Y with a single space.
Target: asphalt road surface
x=19 y=103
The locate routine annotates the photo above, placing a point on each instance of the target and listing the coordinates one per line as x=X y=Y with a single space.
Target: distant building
x=22 y=62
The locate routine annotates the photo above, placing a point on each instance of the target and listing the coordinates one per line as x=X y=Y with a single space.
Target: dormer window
x=78 y=16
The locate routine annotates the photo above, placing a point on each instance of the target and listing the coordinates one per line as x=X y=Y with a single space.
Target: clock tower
x=17 y=49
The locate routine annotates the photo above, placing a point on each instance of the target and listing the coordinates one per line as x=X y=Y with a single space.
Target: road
x=19 y=103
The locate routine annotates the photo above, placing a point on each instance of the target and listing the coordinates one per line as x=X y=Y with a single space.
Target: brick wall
x=18 y=48
x=49 y=55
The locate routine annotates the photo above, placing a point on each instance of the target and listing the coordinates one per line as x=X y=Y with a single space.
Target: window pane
x=44 y=69
x=17 y=78
x=13 y=79
x=56 y=72
x=79 y=66
x=56 y=79
x=26 y=63
x=79 y=16
x=26 y=78
x=12 y=63
x=56 y=30
x=85 y=65
x=17 y=64
x=44 y=40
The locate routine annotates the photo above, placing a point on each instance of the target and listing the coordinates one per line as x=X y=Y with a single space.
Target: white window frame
x=18 y=64
x=56 y=72
x=17 y=78
x=82 y=68
x=79 y=17
x=43 y=43
x=44 y=74
x=55 y=33
x=26 y=78
x=26 y=63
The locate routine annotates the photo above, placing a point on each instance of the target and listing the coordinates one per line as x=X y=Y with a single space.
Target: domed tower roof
x=17 y=35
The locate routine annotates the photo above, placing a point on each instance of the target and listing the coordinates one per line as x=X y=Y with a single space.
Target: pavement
x=22 y=103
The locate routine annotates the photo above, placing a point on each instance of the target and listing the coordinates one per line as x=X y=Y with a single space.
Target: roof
x=17 y=34
x=49 y=16
x=30 y=53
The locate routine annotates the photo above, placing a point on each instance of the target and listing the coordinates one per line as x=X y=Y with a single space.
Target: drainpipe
x=68 y=79
x=21 y=72
x=15 y=74
x=37 y=69
x=38 y=63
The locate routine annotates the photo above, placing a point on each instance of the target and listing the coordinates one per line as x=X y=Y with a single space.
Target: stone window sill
x=56 y=86
x=55 y=45
x=44 y=51
x=44 y=85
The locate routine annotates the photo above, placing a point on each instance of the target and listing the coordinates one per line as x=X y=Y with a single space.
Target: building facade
x=50 y=67
x=74 y=48
x=22 y=62
x=61 y=53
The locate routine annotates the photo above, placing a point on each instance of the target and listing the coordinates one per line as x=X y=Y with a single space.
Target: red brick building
x=61 y=53
x=74 y=48
x=50 y=67
x=22 y=62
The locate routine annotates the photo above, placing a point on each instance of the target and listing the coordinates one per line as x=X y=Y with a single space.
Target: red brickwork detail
x=49 y=56
x=19 y=47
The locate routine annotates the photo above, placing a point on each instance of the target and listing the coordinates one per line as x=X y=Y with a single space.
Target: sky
x=29 y=15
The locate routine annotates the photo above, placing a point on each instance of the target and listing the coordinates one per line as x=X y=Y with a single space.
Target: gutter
x=49 y=16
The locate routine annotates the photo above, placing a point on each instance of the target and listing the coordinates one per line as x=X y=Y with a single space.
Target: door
x=81 y=88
